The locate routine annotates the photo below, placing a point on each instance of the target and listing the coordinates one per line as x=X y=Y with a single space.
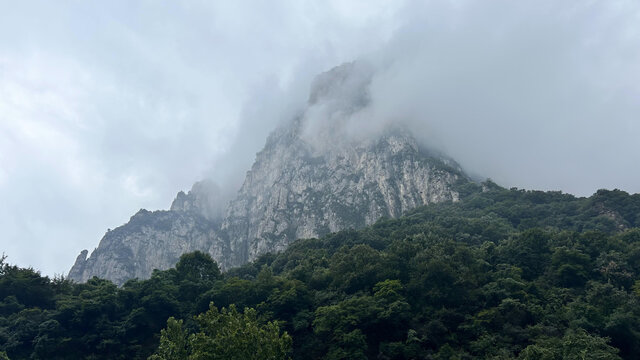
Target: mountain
x=312 y=177
x=500 y=274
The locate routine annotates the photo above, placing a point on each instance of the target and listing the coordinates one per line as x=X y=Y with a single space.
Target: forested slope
x=501 y=274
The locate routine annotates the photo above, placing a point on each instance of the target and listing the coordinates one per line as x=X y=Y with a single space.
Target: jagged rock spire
x=306 y=182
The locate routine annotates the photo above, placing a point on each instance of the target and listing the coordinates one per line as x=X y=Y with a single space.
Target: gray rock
x=204 y=198
x=302 y=184
x=150 y=240
x=293 y=191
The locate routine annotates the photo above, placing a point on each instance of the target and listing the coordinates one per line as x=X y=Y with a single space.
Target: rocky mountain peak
x=336 y=97
x=205 y=198
x=309 y=179
x=343 y=86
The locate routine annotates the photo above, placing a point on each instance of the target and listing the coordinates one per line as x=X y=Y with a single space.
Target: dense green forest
x=502 y=274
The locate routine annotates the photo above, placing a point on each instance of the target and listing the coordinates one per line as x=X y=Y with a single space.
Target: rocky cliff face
x=204 y=199
x=310 y=179
x=150 y=240
x=293 y=191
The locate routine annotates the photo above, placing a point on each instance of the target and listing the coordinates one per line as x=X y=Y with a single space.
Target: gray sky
x=109 y=107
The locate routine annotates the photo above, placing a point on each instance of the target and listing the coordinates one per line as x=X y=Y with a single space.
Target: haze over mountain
x=109 y=108
x=312 y=177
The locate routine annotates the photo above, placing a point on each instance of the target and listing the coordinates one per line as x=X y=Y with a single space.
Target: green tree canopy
x=224 y=335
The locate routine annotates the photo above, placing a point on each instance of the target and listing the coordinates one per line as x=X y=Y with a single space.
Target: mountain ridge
x=311 y=178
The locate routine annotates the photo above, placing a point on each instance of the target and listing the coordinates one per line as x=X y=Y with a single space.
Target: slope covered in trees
x=501 y=274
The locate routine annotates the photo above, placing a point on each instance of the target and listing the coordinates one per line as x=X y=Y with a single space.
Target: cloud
x=537 y=94
x=109 y=107
x=542 y=95
x=106 y=108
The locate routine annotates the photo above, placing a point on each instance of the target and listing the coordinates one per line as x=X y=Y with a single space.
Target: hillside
x=500 y=274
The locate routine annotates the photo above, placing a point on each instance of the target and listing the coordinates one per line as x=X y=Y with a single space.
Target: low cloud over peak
x=108 y=108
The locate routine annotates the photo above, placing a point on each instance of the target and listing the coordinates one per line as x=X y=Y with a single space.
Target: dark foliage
x=501 y=274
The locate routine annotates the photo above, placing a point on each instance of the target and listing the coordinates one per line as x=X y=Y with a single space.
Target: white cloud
x=106 y=108
x=109 y=107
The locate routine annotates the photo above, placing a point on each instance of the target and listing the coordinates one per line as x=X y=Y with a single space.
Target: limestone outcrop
x=311 y=178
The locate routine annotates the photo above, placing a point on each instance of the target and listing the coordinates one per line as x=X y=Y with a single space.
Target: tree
x=173 y=342
x=575 y=345
x=225 y=335
x=197 y=266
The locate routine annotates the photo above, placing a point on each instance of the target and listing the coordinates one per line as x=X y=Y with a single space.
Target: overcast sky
x=109 y=107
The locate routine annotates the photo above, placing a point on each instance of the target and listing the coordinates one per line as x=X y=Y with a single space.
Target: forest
x=501 y=274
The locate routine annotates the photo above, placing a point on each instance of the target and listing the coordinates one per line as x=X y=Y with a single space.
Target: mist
x=542 y=95
x=109 y=108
